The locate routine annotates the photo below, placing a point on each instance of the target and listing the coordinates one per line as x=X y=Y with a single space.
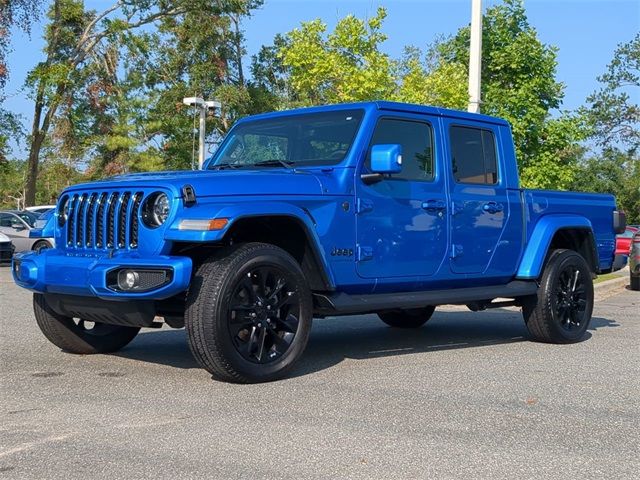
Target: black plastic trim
x=130 y=314
x=344 y=304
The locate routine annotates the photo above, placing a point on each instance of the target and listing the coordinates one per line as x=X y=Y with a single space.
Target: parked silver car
x=634 y=262
x=16 y=225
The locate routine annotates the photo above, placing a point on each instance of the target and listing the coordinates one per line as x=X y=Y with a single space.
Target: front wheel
x=411 y=318
x=77 y=335
x=561 y=311
x=249 y=313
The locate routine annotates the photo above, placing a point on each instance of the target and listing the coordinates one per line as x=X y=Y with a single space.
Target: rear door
x=402 y=220
x=479 y=201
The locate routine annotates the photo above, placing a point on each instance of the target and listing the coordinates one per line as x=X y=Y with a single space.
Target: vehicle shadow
x=363 y=337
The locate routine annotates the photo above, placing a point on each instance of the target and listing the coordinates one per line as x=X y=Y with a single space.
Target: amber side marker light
x=215 y=224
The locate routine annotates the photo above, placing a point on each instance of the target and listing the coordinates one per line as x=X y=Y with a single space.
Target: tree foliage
x=108 y=94
x=519 y=84
x=78 y=41
x=613 y=109
x=613 y=117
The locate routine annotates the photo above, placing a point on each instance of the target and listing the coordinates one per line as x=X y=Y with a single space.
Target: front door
x=402 y=219
x=479 y=202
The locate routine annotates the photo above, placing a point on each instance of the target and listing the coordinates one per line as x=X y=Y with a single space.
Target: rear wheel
x=249 y=313
x=410 y=318
x=77 y=335
x=561 y=311
x=634 y=282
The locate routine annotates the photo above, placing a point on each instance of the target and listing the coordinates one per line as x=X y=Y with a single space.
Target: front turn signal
x=206 y=224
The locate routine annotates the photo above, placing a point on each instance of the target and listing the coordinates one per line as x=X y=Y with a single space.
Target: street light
x=475 y=56
x=204 y=106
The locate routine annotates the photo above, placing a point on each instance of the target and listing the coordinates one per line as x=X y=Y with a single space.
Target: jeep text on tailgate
x=372 y=207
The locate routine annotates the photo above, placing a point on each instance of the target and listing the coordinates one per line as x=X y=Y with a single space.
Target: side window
x=417 y=146
x=473 y=155
x=5 y=220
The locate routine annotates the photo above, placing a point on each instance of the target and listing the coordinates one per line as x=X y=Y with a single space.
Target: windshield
x=298 y=140
x=29 y=218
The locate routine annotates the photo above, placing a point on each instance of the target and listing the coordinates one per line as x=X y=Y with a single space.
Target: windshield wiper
x=274 y=162
x=222 y=166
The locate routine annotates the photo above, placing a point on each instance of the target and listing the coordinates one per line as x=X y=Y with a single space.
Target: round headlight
x=63 y=211
x=156 y=209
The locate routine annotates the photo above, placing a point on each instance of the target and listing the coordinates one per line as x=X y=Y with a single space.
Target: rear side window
x=473 y=155
x=417 y=146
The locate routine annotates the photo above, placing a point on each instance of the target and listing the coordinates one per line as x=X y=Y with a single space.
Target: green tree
x=431 y=81
x=613 y=109
x=613 y=116
x=73 y=35
x=18 y=13
x=612 y=171
x=518 y=84
x=133 y=114
x=342 y=66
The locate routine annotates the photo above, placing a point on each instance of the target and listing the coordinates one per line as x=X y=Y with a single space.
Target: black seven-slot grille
x=103 y=220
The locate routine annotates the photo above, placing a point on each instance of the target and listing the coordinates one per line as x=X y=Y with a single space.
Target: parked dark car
x=6 y=248
x=634 y=262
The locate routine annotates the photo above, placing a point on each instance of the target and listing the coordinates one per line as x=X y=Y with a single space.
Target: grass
x=608 y=276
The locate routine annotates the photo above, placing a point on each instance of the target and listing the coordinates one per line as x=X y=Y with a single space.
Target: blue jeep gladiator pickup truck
x=337 y=210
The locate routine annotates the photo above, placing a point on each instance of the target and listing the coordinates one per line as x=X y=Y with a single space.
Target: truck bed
x=597 y=208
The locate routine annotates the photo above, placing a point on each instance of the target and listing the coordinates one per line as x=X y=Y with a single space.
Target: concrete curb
x=610 y=287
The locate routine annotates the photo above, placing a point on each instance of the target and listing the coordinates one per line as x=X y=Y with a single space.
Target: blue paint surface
x=405 y=235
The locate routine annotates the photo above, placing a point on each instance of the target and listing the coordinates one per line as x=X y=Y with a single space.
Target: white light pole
x=204 y=106
x=475 y=56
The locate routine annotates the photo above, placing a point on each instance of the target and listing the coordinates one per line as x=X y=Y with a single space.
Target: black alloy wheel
x=263 y=315
x=561 y=310
x=249 y=313
x=570 y=300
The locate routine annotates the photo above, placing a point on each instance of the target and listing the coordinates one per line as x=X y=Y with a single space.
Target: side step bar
x=345 y=304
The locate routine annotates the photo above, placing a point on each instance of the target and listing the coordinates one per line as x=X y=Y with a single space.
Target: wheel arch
x=284 y=230
x=571 y=232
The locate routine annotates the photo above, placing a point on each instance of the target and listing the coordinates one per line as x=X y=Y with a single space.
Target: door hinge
x=363 y=253
x=364 y=205
x=456 y=250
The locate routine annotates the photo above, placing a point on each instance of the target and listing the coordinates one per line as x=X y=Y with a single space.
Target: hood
x=209 y=183
x=4 y=238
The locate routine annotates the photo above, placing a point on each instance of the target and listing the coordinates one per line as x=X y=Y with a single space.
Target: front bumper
x=55 y=272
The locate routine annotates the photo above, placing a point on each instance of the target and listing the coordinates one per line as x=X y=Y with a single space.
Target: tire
x=260 y=339
x=634 y=282
x=40 y=245
x=412 y=318
x=561 y=311
x=77 y=337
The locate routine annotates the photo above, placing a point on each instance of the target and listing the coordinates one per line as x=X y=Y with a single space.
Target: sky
x=586 y=33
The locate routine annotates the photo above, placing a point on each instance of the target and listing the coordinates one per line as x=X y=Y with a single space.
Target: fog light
x=128 y=279
x=138 y=279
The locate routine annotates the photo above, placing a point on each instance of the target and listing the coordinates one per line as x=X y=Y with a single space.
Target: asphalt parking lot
x=466 y=396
